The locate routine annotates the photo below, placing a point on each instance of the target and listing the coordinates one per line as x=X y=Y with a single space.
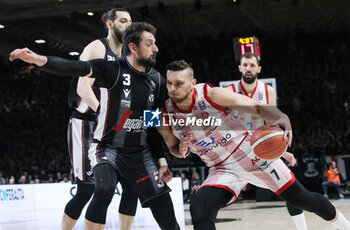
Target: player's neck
x=115 y=45
x=132 y=61
x=249 y=87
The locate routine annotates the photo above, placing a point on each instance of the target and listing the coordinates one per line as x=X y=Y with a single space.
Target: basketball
x=268 y=142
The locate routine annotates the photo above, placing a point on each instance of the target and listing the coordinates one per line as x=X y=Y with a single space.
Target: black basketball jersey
x=124 y=94
x=81 y=109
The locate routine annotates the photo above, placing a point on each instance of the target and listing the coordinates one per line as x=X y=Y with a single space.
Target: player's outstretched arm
x=228 y=99
x=28 y=56
x=55 y=65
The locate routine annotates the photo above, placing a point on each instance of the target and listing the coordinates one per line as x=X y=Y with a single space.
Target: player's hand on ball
x=284 y=122
x=290 y=158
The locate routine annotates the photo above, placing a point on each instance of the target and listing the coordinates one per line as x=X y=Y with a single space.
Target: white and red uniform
x=225 y=147
x=260 y=94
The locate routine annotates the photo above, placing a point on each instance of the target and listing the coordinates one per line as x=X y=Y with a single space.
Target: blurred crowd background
x=311 y=69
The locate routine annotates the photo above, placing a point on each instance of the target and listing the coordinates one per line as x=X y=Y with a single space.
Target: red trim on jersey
x=83 y=147
x=222 y=187
x=194 y=96
x=267 y=94
x=233 y=87
x=71 y=146
x=166 y=117
x=287 y=185
x=97 y=153
x=246 y=134
x=108 y=105
x=205 y=91
x=245 y=91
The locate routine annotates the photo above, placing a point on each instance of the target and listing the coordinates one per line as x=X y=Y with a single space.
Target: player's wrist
x=162 y=162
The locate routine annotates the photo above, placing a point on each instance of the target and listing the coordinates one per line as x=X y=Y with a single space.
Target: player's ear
x=109 y=24
x=259 y=69
x=194 y=81
x=132 y=46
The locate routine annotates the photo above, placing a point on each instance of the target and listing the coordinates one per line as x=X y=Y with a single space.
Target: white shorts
x=79 y=140
x=243 y=167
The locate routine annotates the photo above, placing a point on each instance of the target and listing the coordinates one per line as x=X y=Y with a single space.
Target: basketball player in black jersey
x=82 y=122
x=127 y=87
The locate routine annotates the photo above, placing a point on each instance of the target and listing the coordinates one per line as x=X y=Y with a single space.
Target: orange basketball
x=268 y=143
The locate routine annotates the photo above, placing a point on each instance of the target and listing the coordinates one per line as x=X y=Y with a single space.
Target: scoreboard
x=242 y=45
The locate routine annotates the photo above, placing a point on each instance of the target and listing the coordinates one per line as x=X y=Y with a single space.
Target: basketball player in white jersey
x=116 y=21
x=250 y=86
x=200 y=119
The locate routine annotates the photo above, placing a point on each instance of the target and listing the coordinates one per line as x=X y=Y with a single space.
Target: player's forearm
x=64 y=67
x=269 y=113
x=156 y=142
x=85 y=92
x=174 y=150
x=40 y=60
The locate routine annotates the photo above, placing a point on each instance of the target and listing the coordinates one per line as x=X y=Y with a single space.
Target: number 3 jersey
x=215 y=133
x=124 y=95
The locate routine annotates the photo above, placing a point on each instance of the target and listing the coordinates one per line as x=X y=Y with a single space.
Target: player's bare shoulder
x=93 y=50
x=272 y=95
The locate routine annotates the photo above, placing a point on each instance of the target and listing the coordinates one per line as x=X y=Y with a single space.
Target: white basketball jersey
x=260 y=94
x=215 y=132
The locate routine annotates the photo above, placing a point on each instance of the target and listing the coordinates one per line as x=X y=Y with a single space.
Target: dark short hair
x=133 y=34
x=111 y=15
x=178 y=65
x=250 y=55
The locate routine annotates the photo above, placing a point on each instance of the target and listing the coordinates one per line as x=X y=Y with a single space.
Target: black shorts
x=79 y=139
x=138 y=168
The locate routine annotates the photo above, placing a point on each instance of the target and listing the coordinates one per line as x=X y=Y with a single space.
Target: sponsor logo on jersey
x=213 y=146
x=206 y=143
x=110 y=58
x=151 y=118
x=130 y=124
x=261 y=96
x=126 y=92
x=125 y=103
x=201 y=105
x=261 y=164
x=205 y=115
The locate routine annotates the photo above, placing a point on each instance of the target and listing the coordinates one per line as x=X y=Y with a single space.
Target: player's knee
x=104 y=192
x=84 y=192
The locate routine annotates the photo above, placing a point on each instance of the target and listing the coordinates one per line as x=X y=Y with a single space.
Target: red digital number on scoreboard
x=244 y=45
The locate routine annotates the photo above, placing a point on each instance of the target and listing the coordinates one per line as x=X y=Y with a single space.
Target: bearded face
x=147 y=62
x=249 y=78
x=118 y=34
